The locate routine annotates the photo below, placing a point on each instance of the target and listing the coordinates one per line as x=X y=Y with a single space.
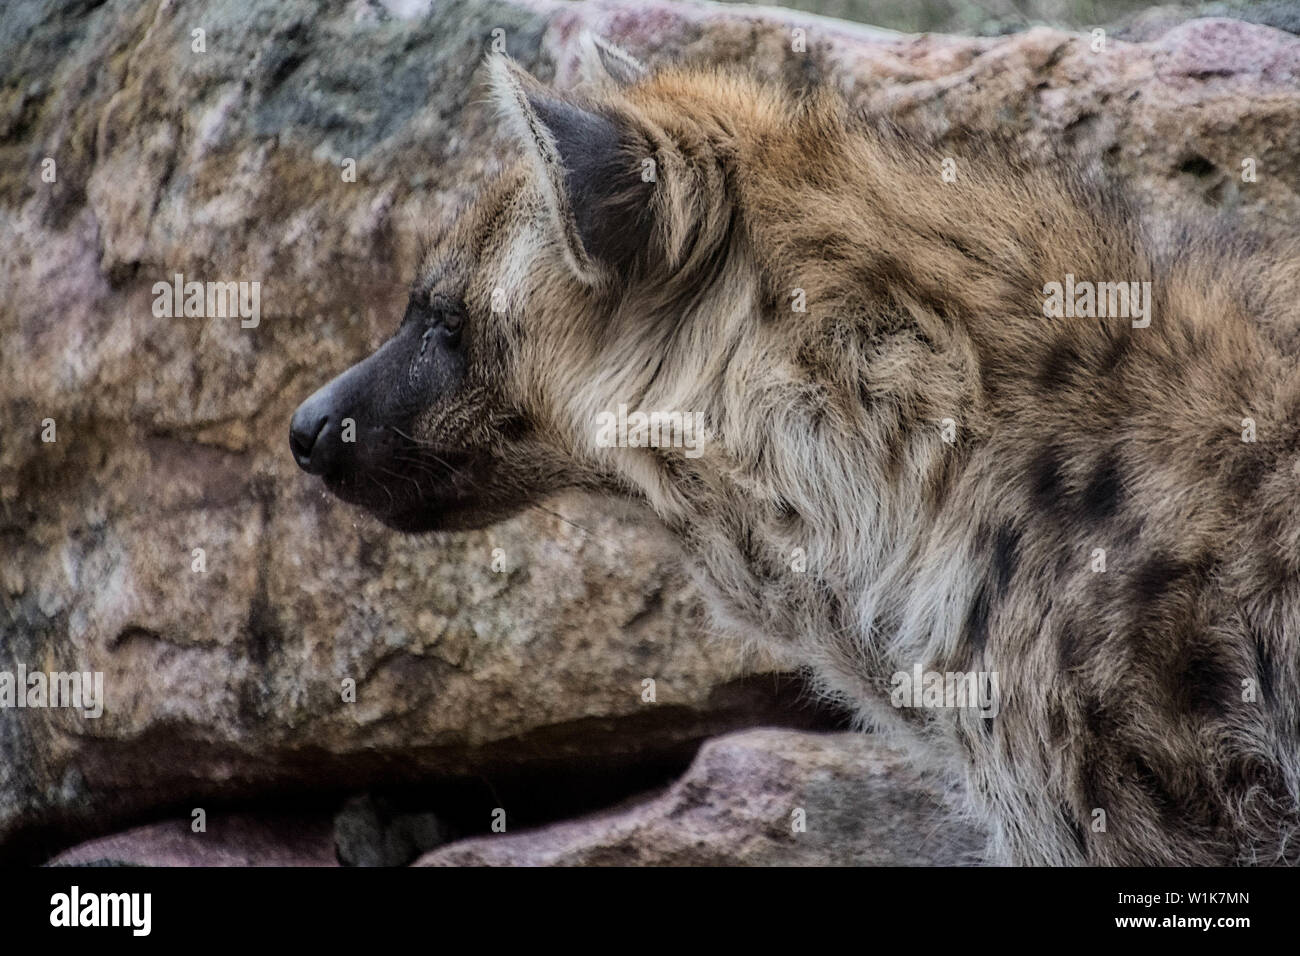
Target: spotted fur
x=1127 y=731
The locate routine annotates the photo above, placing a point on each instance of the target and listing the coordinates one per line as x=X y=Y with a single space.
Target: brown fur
x=1121 y=691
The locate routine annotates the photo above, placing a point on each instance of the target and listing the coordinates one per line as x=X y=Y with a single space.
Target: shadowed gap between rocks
x=553 y=774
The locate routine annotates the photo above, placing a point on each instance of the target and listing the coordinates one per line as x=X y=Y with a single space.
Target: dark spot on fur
x=1099 y=718
x=1155 y=578
x=1059 y=366
x=1056 y=724
x=895 y=454
x=1194 y=343
x=976 y=629
x=1094 y=780
x=1263 y=668
x=1077 y=829
x=1067 y=648
x=1118 y=351
x=830 y=247
x=1248 y=467
x=978 y=258
x=881 y=275
x=1006 y=555
x=1045 y=478
x=1101 y=497
x=1176 y=811
x=1201 y=683
x=749 y=547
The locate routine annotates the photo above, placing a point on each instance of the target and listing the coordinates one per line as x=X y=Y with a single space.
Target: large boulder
x=759 y=798
x=524 y=645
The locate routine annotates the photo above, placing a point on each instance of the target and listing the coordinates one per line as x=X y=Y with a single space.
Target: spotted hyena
x=940 y=438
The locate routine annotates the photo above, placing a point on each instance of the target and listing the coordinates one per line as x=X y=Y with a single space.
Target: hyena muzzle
x=917 y=465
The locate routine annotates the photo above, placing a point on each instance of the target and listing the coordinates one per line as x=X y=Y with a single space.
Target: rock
x=861 y=805
x=230 y=840
x=227 y=165
x=738 y=806
x=1150 y=23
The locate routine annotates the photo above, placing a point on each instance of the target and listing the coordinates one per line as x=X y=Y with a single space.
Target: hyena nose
x=317 y=433
x=307 y=439
x=323 y=434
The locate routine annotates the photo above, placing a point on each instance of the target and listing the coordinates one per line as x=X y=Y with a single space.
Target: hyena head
x=574 y=284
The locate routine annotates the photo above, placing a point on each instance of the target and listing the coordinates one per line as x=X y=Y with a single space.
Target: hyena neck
x=906 y=437
x=814 y=500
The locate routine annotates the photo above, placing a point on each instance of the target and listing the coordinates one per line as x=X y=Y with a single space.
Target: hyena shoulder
x=968 y=415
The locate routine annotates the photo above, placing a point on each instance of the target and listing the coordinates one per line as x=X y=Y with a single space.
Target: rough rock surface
x=861 y=805
x=232 y=840
x=758 y=798
x=226 y=165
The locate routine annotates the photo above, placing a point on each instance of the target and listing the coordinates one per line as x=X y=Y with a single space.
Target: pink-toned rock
x=757 y=798
x=230 y=840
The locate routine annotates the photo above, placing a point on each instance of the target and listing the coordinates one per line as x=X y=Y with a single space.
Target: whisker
x=391 y=500
x=420 y=466
x=556 y=514
x=418 y=489
x=458 y=472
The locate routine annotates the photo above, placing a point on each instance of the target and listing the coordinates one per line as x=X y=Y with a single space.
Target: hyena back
x=910 y=466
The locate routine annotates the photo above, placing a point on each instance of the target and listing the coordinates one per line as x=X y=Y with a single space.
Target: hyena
x=909 y=461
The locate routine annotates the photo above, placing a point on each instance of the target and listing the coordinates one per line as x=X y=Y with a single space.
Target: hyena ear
x=591 y=163
x=601 y=63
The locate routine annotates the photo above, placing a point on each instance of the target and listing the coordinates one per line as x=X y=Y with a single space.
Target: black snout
x=351 y=423
x=345 y=419
x=313 y=433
